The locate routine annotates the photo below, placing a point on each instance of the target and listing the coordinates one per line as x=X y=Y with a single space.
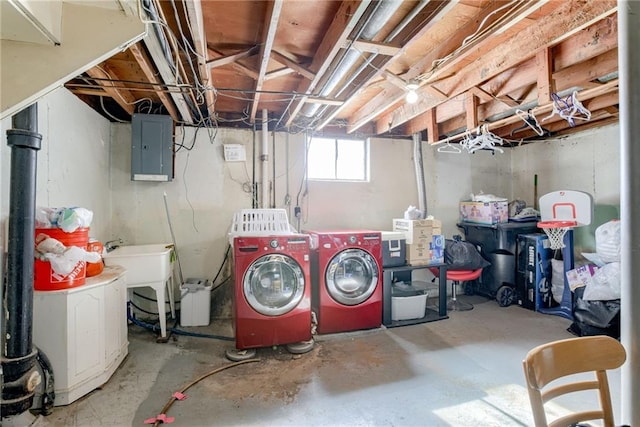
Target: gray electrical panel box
x=151 y=147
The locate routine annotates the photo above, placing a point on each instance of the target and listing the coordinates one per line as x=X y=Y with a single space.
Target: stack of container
x=424 y=238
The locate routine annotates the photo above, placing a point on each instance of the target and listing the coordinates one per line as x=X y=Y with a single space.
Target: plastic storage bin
x=408 y=301
x=195 y=303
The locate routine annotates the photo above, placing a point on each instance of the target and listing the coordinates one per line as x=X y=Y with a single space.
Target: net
x=556 y=231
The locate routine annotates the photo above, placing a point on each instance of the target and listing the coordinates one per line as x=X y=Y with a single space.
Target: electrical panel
x=151 y=147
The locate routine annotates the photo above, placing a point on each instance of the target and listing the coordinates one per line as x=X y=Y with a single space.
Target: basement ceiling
x=522 y=69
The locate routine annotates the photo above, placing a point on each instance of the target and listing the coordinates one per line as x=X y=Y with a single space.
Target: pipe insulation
x=264 y=159
x=378 y=19
x=419 y=168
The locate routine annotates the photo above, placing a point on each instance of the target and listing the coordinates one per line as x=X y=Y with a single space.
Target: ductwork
x=419 y=167
x=377 y=20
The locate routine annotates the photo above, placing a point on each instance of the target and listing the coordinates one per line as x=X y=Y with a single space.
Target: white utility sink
x=147 y=266
x=144 y=263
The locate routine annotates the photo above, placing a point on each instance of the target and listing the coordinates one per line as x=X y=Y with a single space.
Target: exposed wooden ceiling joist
x=146 y=65
x=122 y=96
x=298 y=68
x=462 y=47
x=552 y=30
x=270 y=27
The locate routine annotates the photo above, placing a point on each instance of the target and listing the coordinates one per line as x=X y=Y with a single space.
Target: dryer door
x=351 y=276
x=274 y=284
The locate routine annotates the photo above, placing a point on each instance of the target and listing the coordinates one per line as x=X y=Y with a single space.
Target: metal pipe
x=397 y=30
x=629 y=84
x=20 y=377
x=381 y=16
x=264 y=158
x=419 y=168
x=254 y=186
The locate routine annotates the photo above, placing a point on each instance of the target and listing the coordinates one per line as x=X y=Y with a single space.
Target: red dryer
x=272 y=297
x=346 y=274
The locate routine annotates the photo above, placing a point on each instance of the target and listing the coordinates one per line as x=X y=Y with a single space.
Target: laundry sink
x=144 y=263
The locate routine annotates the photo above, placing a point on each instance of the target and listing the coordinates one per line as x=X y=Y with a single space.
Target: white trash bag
x=608 y=241
x=605 y=284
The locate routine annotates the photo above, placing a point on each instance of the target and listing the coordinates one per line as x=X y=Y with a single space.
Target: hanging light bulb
x=412 y=95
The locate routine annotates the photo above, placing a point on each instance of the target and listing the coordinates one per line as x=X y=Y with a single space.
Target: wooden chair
x=558 y=359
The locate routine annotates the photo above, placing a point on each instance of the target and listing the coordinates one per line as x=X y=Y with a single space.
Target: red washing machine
x=272 y=298
x=346 y=274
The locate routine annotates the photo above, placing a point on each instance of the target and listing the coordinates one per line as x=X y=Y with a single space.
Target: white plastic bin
x=195 y=303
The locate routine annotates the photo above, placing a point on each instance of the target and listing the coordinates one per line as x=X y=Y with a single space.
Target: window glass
x=338 y=159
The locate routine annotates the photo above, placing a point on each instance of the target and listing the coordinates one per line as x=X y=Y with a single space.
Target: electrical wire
x=167 y=406
x=108 y=113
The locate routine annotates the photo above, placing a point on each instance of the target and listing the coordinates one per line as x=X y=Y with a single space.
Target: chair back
x=551 y=361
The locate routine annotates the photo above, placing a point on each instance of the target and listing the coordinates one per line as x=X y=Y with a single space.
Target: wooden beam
x=238 y=66
x=145 y=62
x=345 y=20
x=288 y=62
x=87 y=91
x=482 y=94
x=123 y=97
x=432 y=126
x=280 y=72
x=457 y=52
x=272 y=17
x=373 y=47
x=230 y=59
x=471 y=104
x=544 y=61
x=196 y=26
x=558 y=26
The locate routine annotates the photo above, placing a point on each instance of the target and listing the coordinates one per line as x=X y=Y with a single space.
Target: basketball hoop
x=556 y=231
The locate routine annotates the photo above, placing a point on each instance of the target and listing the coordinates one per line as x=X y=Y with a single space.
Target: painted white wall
x=588 y=161
x=207 y=191
x=73 y=163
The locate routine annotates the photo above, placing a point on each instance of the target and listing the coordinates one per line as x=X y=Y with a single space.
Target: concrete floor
x=462 y=371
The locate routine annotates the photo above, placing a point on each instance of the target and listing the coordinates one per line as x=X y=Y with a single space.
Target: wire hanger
x=448 y=148
x=569 y=108
x=485 y=140
x=530 y=121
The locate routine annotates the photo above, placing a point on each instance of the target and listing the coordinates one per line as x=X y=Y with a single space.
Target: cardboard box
x=580 y=276
x=426 y=251
x=415 y=229
x=484 y=213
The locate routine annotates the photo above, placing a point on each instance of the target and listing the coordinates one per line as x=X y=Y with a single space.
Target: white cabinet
x=83 y=332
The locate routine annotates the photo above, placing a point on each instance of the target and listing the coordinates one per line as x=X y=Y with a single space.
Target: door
x=274 y=284
x=351 y=276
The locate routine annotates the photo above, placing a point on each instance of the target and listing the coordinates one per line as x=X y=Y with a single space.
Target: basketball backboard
x=567 y=205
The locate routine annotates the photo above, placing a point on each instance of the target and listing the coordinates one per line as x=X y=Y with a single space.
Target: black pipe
x=18 y=355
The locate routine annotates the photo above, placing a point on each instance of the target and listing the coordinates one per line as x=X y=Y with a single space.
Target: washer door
x=274 y=284
x=351 y=276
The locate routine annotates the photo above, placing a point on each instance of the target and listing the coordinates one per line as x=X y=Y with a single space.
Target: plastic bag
x=595 y=317
x=461 y=255
x=71 y=219
x=608 y=241
x=413 y=213
x=605 y=284
x=557 y=279
x=46 y=244
x=64 y=263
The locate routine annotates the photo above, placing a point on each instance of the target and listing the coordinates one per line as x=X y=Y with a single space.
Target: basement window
x=333 y=159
